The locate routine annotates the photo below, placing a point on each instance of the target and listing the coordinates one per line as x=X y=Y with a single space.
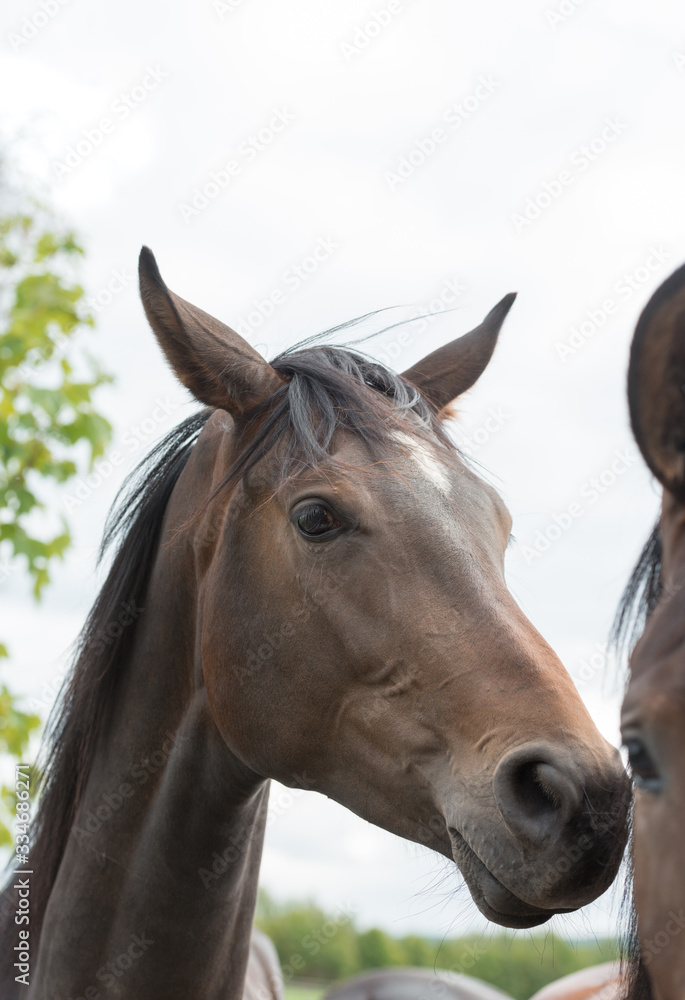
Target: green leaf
x=47 y=414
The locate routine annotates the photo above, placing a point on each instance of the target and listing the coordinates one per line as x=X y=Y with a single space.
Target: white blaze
x=426 y=461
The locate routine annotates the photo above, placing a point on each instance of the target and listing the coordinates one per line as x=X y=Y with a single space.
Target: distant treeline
x=321 y=946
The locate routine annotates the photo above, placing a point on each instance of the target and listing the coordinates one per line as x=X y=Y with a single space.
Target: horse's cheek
x=659 y=877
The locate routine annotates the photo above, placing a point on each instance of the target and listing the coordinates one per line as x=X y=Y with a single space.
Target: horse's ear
x=454 y=368
x=218 y=366
x=656 y=384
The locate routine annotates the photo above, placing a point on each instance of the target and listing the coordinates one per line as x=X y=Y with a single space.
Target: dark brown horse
x=653 y=717
x=600 y=982
x=310 y=587
x=414 y=984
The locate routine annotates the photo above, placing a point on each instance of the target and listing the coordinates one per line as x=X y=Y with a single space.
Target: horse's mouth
x=493 y=899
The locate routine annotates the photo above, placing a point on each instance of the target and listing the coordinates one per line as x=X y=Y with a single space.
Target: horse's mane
x=639 y=599
x=328 y=388
x=641 y=594
x=75 y=723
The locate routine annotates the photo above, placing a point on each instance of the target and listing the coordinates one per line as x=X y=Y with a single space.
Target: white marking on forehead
x=426 y=461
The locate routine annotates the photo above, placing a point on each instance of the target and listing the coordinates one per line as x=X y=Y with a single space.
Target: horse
x=653 y=712
x=414 y=984
x=263 y=977
x=599 y=982
x=308 y=587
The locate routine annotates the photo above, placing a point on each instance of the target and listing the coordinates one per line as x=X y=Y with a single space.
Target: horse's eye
x=315 y=520
x=645 y=772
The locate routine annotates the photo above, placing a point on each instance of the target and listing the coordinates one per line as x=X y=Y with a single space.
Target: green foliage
x=48 y=422
x=319 y=947
x=15 y=730
x=46 y=408
x=377 y=950
x=310 y=943
x=521 y=965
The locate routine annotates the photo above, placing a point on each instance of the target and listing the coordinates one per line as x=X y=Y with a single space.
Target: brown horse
x=653 y=716
x=310 y=588
x=263 y=978
x=414 y=984
x=600 y=982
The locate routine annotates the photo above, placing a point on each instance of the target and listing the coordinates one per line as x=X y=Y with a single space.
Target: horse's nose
x=537 y=792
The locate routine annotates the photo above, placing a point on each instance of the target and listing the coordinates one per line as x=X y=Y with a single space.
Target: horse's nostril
x=535 y=794
x=534 y=789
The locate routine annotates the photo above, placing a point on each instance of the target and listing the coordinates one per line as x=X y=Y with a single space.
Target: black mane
x=641 y=594
x=328 y=388
x=638 y=601
x=76 y=719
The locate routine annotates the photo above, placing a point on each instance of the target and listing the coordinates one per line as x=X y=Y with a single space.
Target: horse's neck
x=157 y=887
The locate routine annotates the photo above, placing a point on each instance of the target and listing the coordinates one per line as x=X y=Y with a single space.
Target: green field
x=316 y=948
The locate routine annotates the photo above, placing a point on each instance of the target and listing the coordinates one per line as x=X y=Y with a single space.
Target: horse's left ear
x=656 y=384
x=454 y=368
x=218 y=366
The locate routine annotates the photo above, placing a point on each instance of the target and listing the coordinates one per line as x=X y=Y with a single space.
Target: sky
x=296 y=165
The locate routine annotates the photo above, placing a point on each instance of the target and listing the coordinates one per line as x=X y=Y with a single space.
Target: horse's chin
x=493 y=899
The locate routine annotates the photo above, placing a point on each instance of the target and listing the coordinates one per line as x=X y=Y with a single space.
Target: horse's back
x=414 y=984
x=599 y=982
x=263 y=980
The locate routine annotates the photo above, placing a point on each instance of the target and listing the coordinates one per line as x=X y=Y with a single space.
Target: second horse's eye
x=645 y=772
x=315 y=519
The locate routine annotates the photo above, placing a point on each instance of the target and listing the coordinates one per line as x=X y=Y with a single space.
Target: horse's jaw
x=494 y=900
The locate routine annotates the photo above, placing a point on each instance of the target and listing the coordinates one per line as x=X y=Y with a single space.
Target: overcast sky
x=334 y=158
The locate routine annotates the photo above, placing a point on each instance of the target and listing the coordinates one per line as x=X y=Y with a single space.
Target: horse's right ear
x=218 y=366
x=443 y=375
x=656 y=384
